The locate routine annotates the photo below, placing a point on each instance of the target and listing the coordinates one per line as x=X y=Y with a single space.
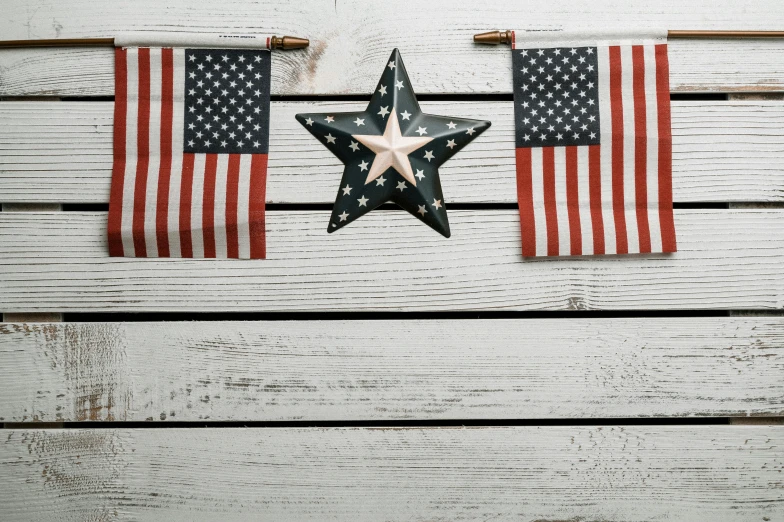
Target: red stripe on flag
x=573 y=202
x=232 y=194
x=118 y=168
x=640 y=149
x=550 y=209
x=256 y=206
x=208 y=204
x=665 y=150
x=595 y=188
x=143 y=146
x=525 y=200
x=164 y=175
x=616 y=113
x=186 y=193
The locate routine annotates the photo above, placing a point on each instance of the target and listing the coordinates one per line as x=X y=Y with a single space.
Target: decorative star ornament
x=392 y=151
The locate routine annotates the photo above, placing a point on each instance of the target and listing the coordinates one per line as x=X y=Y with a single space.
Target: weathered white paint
x=607 y=473
x=62 y=152
x=416 y=369
x=727 y=259
x=350 y=41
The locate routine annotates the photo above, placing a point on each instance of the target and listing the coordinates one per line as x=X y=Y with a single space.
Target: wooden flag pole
x=275 y=42
x=505 y=37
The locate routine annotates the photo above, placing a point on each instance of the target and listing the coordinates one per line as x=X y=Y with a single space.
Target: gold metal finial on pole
x=494 y=37
x=505 y=37
x=288 y=42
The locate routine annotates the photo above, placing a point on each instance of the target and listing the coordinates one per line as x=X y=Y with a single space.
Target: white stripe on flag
x=131 y=152
x=537 y=184
x=605 y=125
x=243 y=206
x=561 y=208
x=629 y=180
x=153 y=168
x=221 y=178
x=175 y=182
x=197 y=198
x=652 y=132
x=583 y=193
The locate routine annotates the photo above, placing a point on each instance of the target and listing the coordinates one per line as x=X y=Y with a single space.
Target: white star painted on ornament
x=363 y=166
x=399 y=84
x=384 y=111
x=347 y=190
x=421 y=130
x=429 y=155
x=359 y=122
x=330 y=119
x=451 y=144
x=363 y=201
x=380 y=181
x=391 y=65
x=392 y=150
x=330 y=138
x=405 y=115
x=420 y=174
x=354 y=146
x=401 y=185
x=451 y=125
x=422 y=210
x=309 y=122
x=470 y=131
x=343 y=216
x=382 y=89
x=436 y=203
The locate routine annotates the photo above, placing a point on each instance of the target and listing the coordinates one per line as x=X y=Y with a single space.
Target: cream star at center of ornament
x=392 y=150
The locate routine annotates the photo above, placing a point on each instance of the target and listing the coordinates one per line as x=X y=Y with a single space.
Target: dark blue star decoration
x=392 y=151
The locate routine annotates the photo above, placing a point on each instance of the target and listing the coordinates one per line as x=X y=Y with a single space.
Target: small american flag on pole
x=191 y=134
x=593 y=145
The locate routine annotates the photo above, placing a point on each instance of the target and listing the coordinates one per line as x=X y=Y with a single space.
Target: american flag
x=191 y=134
x=593 y=149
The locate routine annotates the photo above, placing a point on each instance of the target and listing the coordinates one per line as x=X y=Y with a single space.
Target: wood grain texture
x=351 y=40
x=635 y=473
x=424 y=370
x=388 y=261
x=62 y=152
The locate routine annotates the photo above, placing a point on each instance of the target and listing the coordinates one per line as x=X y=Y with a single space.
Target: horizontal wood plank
x=424 y=370
x=350 y=41
x=388 y=261
x=634 y=473
x=62 y=152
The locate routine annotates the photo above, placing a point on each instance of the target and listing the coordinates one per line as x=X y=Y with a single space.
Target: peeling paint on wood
x=635 y=473
x=426 y=370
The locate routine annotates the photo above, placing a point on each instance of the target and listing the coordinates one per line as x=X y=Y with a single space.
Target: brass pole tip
x=494 y=37
x=288 y=42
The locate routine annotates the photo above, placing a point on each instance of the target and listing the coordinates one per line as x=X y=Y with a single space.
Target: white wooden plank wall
x=632 y=473
x=572 y=412
x=722 y=151
x=728 y=259
x=421 y=370
x=349 y=39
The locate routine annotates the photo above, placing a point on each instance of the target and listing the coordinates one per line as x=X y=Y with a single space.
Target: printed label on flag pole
x=191 y=138
x=593 y=146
